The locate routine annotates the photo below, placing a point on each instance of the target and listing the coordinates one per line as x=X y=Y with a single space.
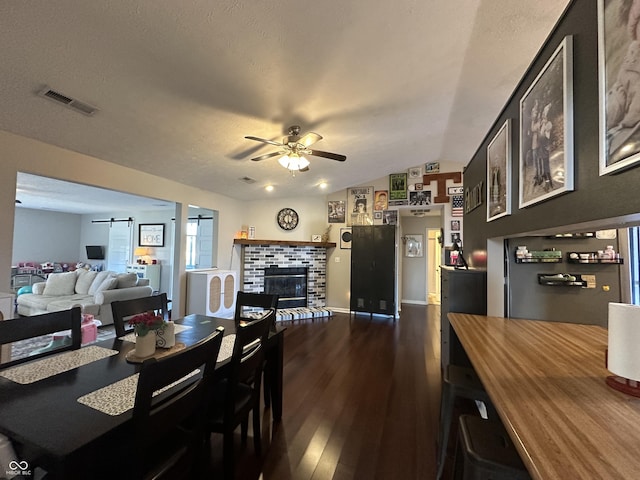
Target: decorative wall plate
x=287 y=219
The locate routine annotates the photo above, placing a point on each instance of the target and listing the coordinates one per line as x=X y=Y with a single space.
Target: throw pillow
x=100 y=276
x=84 y=281
x=109 y=283
x=60 y=284
x=127 y=280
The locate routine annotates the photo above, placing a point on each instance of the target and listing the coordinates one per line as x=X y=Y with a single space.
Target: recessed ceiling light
x=269 y=188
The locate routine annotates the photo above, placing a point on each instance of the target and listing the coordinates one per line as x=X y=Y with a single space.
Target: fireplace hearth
x=289 y=283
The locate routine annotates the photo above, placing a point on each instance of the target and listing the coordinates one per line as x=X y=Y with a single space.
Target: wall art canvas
x=546 y=130
x=499 y=174
x=619 y=84
x=360 y=206
x=398 y=186
x=336 y=212
x=420 y=197
x=382 y=200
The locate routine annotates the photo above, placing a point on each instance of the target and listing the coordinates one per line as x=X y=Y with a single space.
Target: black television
x=95 y=252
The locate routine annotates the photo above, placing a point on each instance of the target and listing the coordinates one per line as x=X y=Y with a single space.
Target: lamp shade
x=141 y=251
x=624 y=338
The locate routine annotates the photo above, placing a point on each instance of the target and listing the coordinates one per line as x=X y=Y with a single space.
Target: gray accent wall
x=609 y=201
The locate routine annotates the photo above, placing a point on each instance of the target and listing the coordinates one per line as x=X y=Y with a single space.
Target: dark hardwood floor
x=361 y=401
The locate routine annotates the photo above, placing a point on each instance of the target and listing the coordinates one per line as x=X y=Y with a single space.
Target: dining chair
x=235 y=396
x=26 y=328
x=256 y=303
x=123 y=309
x=167 y=439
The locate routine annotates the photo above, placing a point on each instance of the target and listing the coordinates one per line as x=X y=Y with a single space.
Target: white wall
x=43 y=236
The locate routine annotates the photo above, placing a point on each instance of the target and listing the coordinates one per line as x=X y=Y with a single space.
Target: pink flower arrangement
x=145 y=322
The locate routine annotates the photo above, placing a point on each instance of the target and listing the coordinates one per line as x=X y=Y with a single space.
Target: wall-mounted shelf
x=561 y=280
x=593 y=259
x=541 y=256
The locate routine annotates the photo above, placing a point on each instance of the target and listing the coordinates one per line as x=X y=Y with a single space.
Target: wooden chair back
x=25 y=328
x=122 y=310
x=254 y=302
x=175 y=417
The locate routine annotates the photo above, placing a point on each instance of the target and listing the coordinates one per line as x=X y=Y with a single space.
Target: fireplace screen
x=289 y=283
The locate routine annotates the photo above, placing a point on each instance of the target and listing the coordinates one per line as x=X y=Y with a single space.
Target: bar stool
x=485 y=452
x=457 y=382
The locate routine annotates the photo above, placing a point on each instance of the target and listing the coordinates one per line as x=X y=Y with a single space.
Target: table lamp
x=142 y=253
x=623 y=354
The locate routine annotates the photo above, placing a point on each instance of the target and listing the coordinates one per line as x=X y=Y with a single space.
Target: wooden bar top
x=547 y=381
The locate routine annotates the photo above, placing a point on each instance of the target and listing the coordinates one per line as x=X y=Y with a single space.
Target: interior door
x=119 y=250
x=434 y=252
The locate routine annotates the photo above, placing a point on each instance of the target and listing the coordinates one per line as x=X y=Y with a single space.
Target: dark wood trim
x=293 y=243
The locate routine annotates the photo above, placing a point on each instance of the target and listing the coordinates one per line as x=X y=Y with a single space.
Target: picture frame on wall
x=336 y=211
x=546 y=130
x=398 y=186
x=360 y=206
x=151 y=235
x=415 y=172
x=455 y=225
x=499 y=173
x=619 y=86
x=413 y=245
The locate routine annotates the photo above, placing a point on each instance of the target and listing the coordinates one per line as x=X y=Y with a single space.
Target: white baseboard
x=414 y=302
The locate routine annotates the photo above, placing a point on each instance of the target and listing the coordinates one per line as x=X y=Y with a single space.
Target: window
x=192 y=244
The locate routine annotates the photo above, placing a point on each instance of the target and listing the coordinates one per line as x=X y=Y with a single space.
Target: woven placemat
x=55 y=364
x=119 y=397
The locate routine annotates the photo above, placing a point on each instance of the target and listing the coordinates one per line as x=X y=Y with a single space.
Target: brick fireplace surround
x=260 y=254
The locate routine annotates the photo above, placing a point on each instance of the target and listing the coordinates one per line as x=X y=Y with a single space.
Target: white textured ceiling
x=178 y=84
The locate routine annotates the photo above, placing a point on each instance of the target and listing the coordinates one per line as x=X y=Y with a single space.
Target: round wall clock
x=287 y=219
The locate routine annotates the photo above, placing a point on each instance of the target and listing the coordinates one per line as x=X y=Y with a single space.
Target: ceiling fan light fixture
x=293 y=162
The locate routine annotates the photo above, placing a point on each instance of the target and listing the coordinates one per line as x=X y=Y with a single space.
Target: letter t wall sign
x=441 y=192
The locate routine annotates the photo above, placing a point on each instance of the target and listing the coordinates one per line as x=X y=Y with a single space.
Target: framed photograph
x=455 y=225
x=360 y=206
x=151 y=235
x=421 y=197
x=345 y=238
x=499 y=174
x=336 y=211
x=418 y=186
x=415 y=172
x=546 y=130
x=413 y=245
x=432 y=167
x=398 y=186
x=455 y=238
x=619 y=85
x=390 y=217
x=377 y=215
x=382 y=201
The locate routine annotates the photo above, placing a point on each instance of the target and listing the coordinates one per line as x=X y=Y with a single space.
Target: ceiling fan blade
x=268 y=155
x=270 y=142
x=332 y=156
x=309 y=139
x=305 y=169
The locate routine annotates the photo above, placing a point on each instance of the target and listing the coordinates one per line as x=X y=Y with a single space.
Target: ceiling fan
x=294 y=148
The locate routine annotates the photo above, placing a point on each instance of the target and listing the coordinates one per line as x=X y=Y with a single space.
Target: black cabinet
x=373 y=269
x=462 y=291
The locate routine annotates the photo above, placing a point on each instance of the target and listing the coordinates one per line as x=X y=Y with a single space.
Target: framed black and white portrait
x=499 y=174
x=546 y=130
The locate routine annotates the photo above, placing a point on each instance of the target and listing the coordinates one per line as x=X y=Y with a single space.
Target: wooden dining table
x=50 y=428
x=547 y=382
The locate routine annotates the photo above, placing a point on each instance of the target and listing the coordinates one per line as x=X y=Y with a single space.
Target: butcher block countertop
x=547 y=381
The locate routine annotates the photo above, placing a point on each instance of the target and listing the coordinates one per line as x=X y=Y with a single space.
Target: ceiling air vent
x=72 y=103
x=247 y=180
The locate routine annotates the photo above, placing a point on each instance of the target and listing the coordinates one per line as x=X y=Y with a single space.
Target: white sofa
x=93 y=291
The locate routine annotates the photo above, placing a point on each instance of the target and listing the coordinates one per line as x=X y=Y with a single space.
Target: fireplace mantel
x=292 y=243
